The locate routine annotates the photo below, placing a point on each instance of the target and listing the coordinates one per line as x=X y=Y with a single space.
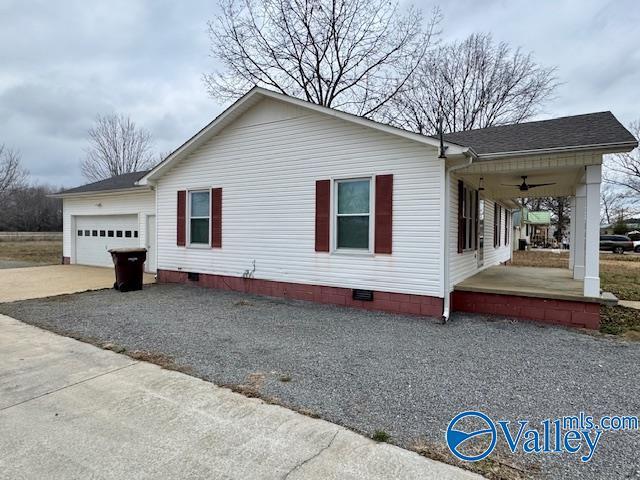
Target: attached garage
x=95 y=235
x=112 y=213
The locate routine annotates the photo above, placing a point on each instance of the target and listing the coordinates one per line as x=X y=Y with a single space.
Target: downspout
x=445 y=238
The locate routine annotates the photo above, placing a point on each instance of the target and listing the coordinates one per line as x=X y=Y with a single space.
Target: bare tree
x=116 y=146
x=471 y=84
x=612 y=201
x=354 y=55
x=624 y=168
x=12 y=174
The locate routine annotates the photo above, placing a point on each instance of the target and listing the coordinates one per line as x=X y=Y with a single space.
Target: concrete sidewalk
x=71 y=410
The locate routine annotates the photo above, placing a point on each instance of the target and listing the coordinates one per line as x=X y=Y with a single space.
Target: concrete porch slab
x=549 y=283
x=51 y=280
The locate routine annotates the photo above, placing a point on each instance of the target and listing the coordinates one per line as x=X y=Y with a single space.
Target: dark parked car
x=616 y=243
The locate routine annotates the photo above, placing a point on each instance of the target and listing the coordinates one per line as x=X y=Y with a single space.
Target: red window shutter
x=460 y=216
x=384 y=214
x=181 y=223
x=216 y=218
x=323 y=207
x=476 y=238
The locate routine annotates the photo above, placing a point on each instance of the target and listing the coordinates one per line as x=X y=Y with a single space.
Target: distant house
x=633 y=224
x=533 y=227
x=282 y=197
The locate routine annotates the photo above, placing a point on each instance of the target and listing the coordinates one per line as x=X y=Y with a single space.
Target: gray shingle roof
x=574 y=131
x=119 y=182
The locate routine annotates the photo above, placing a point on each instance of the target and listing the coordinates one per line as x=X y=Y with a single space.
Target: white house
x=282 y=197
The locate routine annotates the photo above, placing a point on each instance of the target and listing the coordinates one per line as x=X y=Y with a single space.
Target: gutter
x=94 y=193
x=445 y=243
x=618 y=146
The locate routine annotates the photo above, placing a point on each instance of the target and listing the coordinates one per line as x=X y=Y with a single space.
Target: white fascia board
x=97 y=193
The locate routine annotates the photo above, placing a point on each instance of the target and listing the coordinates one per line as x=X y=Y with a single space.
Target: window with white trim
x=469 y=217
x=353 y=214
x=199 y=217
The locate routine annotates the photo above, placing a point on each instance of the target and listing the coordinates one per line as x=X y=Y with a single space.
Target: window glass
x=87 y=233
x=110 y=233
x=352 y=216
x=79 y=233
x=353 y=196
x=199 y=204
x=102 y=233
x=199 y=217
x=127 y=233
x=94 y=233
x=119 y=233
x=135 y=234
x=353 y=232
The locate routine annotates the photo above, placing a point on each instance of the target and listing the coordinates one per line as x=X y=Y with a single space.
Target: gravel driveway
x=371 y=371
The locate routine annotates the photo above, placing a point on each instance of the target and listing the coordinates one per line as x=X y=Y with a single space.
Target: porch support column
x=572 y=227
x=592 y=245
x=579 y=232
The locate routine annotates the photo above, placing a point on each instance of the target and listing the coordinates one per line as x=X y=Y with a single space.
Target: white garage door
x=95 y=235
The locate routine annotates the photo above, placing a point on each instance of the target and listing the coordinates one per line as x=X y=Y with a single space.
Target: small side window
x=87 y=233
x=94 y=233
x=79 y=233
x=110 y=233
x=102 y=233
x=127 y=233
x=119 y=233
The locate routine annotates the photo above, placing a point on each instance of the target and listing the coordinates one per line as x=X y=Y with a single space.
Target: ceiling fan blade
x=533 y=185
x=505 y=185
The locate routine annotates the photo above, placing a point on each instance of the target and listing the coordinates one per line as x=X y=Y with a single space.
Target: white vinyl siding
x=140 y=205
x=267 y=163
x=464 y=265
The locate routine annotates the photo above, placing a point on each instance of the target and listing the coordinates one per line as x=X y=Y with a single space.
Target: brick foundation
x=558 y=312
x=382 y=301
x=66 y=260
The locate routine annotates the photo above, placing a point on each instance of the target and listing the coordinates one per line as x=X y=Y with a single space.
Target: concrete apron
x=71 y=410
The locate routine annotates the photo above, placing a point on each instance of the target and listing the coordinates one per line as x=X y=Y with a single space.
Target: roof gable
x=256 y=95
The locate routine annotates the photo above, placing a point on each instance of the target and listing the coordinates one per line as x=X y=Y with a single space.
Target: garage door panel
x=95 y=235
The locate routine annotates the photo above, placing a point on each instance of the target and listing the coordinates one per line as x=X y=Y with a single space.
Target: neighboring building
x=533 y=227
x=632 y=224
x=283 y=197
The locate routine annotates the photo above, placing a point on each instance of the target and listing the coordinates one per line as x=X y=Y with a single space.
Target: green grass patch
x=381 y=436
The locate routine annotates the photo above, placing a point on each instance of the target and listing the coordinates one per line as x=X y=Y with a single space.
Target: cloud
x=65 y=62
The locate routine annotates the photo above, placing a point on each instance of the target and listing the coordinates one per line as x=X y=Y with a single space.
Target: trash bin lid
x=127 y=250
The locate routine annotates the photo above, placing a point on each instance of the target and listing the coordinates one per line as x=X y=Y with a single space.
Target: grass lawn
x=619 y=274
x=37 y=251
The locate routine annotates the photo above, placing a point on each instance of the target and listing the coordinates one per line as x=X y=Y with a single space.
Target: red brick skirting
x=382 y=301
x=559 y=312
x=66 y=260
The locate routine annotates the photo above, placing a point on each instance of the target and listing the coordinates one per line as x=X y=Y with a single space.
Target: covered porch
x=575 y=175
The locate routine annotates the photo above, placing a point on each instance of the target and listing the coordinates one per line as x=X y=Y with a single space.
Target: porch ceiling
x=564 y=170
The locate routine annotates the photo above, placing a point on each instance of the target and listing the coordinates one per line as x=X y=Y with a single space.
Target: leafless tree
x=12 y=174
x=624 y=168
x=613 y=202
x=116 y=146
x=471 y=84
x=354 y=55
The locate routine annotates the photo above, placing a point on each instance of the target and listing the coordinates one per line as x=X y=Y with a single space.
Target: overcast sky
x=63 y=62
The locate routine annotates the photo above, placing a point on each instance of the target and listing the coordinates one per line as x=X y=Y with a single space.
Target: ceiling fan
x=524 y=186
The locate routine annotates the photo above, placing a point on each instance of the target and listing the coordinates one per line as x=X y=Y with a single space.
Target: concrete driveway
x=51 y=280
x=71 y=410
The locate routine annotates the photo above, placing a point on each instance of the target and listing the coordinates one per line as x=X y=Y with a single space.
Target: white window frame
x=334 y=215
x=469 y=208
x=189 y=218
